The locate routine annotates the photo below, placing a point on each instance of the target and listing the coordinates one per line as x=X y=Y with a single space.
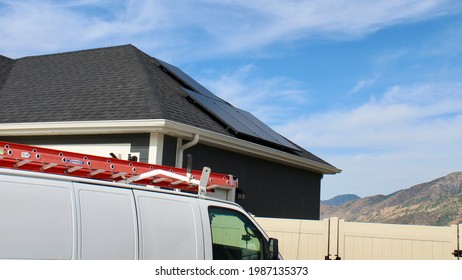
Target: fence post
x=327 y=256
x=333 y=239
x=341 y=240
x=459 y=241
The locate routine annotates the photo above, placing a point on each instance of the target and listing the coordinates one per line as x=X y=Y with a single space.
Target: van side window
x=234 y=236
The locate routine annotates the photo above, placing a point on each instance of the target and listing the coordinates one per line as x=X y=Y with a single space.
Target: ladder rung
x=23 y=162
x=158 y=180
x=96 y=172
x=48 y=166
x=75 y=168
x=177 y=182
x=118 y=175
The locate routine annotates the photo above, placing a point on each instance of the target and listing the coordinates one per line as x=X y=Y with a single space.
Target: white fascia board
x=169 y=128
x=81 y=127
x=241 y=146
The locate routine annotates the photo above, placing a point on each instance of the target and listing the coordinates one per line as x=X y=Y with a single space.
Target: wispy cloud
x=402 y=116
x=271 y=99
x=202 y=27
x=445 y=43
x=32 y=27
x=288 y=20
x=407 y=130
x=364 y=84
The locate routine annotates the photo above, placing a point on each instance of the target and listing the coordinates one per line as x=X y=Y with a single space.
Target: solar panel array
x=238 y=120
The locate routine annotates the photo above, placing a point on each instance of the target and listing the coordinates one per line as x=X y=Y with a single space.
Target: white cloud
x=288 y=20
x=272 y=100
x=197 y=28
x=409 y=131
x=26 y=26
x=375 y=123
x=33 y=27
x=364 y=84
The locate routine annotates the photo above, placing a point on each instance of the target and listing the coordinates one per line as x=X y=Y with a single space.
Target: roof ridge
x=9 y=58
x=78 y=51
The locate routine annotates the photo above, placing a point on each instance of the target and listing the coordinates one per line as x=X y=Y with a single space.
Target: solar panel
x=263 y=130
x=188 y=80
x=238 y=120
x=223 y=112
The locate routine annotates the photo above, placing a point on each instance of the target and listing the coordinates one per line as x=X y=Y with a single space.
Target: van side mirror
x=273 y=249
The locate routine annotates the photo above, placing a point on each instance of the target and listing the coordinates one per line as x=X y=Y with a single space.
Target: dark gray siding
x=271 y=189
x=169 y=152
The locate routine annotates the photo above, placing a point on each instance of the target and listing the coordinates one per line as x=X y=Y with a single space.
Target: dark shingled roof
x=114 y=83
x=5 y=67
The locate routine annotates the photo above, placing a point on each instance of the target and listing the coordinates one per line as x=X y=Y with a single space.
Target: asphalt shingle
x=5 y=67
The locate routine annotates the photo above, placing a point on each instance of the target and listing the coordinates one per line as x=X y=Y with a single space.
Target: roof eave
x=169 y=128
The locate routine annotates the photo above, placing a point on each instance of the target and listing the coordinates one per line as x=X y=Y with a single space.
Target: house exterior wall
x=270 y=189
x=169 y=153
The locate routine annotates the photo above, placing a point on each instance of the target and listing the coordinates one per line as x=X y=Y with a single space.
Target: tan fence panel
x=314 y=240
x=367 y=241
x=298 y=239
x=332 y=238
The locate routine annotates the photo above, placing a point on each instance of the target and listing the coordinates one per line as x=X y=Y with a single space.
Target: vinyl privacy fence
x=334 y=238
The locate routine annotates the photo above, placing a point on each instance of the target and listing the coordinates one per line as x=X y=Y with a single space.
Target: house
x=121 y=100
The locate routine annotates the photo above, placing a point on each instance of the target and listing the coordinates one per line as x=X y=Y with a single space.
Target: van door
x=107 y=226
x=170 y=226
x=231 y=234
x=36 y=218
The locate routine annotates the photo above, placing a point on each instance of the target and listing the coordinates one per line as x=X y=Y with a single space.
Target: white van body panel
x=36 y=219
x=107 y=224
x=47 y=216
x=170 y=226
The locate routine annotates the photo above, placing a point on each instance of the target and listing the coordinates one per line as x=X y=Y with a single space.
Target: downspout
x=179 y=153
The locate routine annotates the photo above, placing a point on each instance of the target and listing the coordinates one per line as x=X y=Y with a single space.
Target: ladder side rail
x=40 y=159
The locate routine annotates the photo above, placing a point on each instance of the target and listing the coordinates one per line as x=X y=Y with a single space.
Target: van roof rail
x=38 y=159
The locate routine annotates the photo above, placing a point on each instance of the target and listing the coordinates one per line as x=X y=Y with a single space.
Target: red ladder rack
x=25 y=157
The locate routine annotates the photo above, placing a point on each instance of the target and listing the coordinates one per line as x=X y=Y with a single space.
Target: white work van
x=49 y=216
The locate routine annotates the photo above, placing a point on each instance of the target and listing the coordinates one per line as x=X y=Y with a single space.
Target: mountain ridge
x=340 y=199
x=437 y=203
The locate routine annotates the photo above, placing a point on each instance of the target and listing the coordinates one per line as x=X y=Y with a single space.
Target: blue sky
x=373 y=87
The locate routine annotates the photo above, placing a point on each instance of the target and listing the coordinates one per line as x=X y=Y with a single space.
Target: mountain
x=436 y=203
x=340 y=199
